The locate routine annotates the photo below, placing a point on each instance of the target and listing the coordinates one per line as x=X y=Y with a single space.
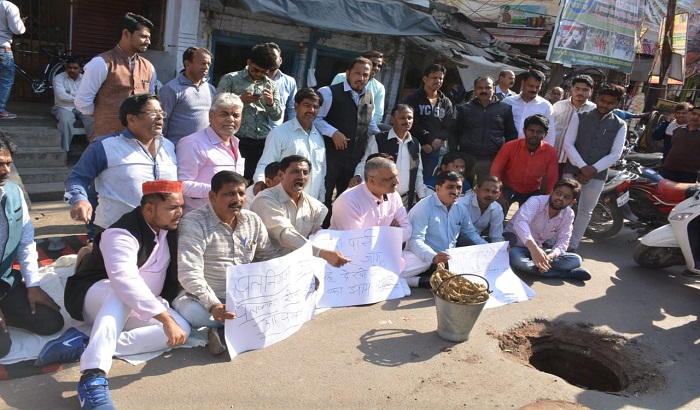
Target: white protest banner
x=372 y=275
x=491 y=262
x=271 y=299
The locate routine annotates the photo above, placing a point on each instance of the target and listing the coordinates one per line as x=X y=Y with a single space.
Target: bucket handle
x=488 y=285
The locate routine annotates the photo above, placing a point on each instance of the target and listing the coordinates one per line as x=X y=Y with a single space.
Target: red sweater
x=523 y=171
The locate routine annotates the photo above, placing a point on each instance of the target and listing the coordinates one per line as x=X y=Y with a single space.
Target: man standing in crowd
x=483 y=125
x=261 y=102
x=290 y=214
x=436 y=223
x=188 y=97
x=122 y=288
x=287 y=86
x=527 y=166
x=539 y=234
x=345 y=120
x=593 y=143
x=377 y=88
x=374 y=202
x=581 y=89
x=213 y=149
x=116 y=74
x=405 y=151
x=506 y=79
x=65 y=88
x=555 y=95
x=10 y=23
x=528 y=103
x=212 y=238
x=434 y=117
x=664 y=132
x=121 y=162
x=298 y=136
x=23 y=304
x=683 y=161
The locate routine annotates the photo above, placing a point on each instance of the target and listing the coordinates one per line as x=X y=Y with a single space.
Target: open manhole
x=583 y=357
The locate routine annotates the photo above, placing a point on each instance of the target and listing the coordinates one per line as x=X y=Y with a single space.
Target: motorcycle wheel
x=606 y=221
x=657 y=257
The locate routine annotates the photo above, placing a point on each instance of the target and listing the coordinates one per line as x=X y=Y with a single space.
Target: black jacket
x=480 y=131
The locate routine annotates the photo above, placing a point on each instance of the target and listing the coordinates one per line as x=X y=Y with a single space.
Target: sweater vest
x=391 y=147
x=594 y=139
x=12 y=206
x=350 y=119
x=121 y=82
x=92 y=267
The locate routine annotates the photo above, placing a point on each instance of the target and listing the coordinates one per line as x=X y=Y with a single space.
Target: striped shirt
x=532 y=222
x=207 y=246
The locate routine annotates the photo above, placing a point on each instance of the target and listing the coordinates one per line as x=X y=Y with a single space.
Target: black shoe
x=424 y=282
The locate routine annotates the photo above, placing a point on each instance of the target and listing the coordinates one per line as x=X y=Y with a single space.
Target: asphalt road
x=388 y=355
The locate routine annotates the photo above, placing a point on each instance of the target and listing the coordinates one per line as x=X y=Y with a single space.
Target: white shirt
x=563 y=110
x=95 y=74
x=603 y=163
x=291 y=138
x=403 y=165
x=327 y=129
x=64 y=90
x=522 y=110
x=10 y=23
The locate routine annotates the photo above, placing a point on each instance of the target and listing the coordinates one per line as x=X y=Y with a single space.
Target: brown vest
x=120 y=83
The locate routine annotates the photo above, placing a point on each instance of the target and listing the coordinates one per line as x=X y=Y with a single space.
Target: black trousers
x=476 y=169
x=15 y=307
x=339 y=171
x=251 y=150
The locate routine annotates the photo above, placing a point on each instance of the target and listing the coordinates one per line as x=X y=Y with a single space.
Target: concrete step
x=44 y=174
x=35 y=157
x=48 y=191
x=34 y=136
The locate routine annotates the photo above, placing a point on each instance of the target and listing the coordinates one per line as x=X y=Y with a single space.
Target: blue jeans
x=521 y=260
x=194 y=312
x=7 y=77
x=430 y=162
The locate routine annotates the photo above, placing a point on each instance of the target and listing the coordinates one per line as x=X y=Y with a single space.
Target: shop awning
x=478 y=66
x=392 y=18
x=518 y=36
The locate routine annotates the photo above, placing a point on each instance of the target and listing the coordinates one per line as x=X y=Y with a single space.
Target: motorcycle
x=652 y=197
x=611 y=210
x=677 y=243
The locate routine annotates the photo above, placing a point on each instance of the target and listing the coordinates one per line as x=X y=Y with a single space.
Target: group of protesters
x=180 y=185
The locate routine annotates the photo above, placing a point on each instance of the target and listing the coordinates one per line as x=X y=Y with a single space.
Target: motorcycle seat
x=674 y=191
x=646 y=159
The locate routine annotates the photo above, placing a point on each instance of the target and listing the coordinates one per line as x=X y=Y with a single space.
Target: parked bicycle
x=56 y=64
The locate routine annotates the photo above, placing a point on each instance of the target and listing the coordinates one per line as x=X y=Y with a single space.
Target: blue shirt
x=288 y=89
x=435 y=229
x=187 y=106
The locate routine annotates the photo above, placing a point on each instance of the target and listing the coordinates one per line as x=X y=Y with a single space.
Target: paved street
x=388 y=355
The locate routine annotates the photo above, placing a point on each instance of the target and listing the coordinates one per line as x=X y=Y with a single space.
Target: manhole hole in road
x=583 y=357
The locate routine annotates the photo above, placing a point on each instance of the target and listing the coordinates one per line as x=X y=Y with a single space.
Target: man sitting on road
x=23 y=304
x=212 y=238
x=486 y=214
x=539 y=234
x=213 y=149
x=437 y=222
x=374 y=202
x=123 y=287
x=290 y=214
x=528 y=166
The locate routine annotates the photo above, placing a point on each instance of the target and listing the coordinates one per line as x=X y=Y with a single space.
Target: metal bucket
x=455 y=320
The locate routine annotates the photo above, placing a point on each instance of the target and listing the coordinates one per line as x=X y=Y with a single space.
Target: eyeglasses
x=154 y=114
x=377 y=65
x=256 y=70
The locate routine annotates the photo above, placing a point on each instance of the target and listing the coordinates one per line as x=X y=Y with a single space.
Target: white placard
x=491 y=262
x=271 y=299
x=372 y=275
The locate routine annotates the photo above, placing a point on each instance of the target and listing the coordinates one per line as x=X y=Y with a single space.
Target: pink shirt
x=357 y=207
x=200 y=156
x=136 y=287
x=532 y=222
